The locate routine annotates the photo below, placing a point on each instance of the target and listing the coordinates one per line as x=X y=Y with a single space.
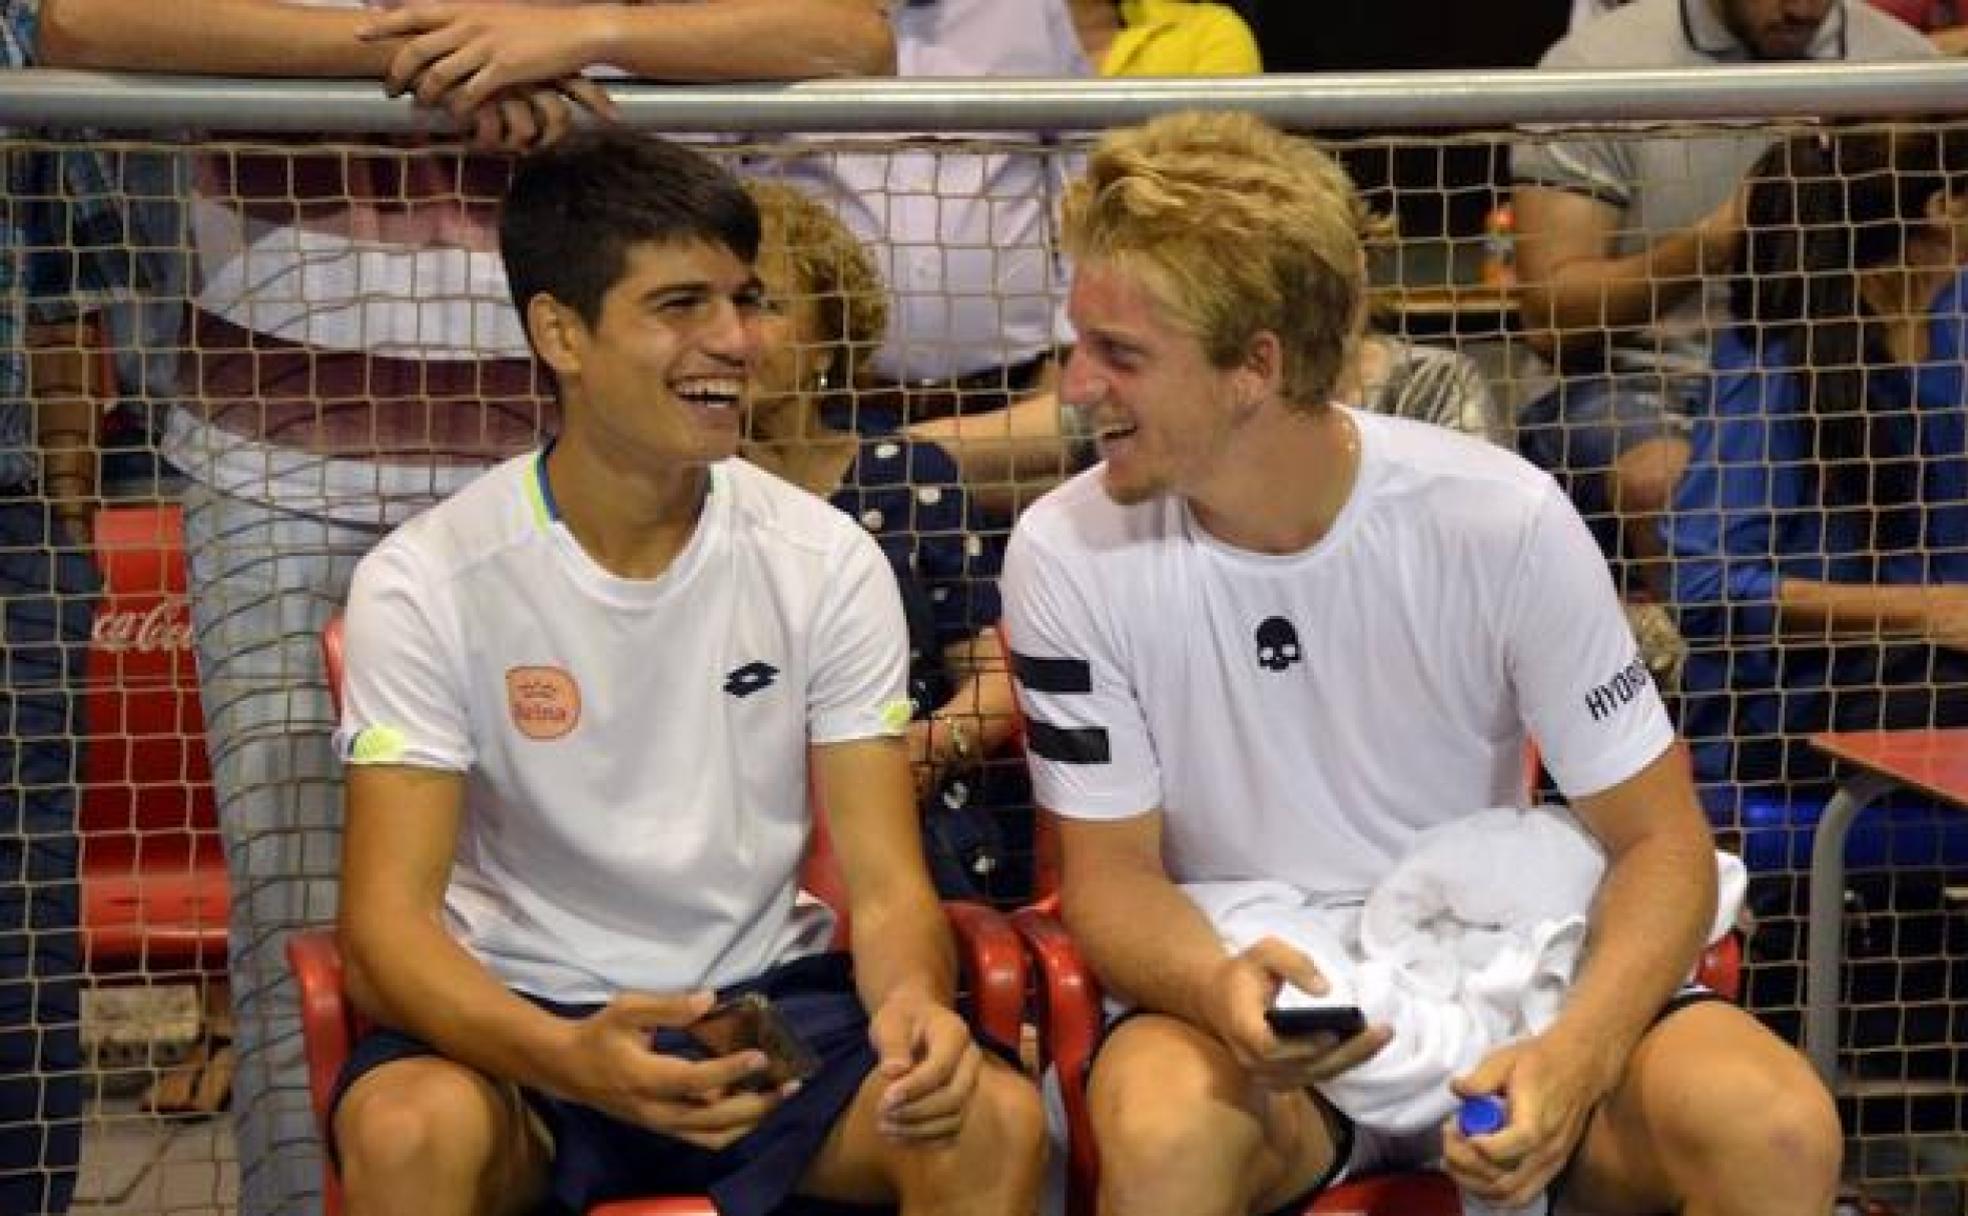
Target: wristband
x=963 y=748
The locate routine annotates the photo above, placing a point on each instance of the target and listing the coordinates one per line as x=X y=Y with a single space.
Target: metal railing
x=1435 y=100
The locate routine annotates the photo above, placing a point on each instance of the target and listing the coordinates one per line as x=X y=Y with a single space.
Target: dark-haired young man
x=583 y=700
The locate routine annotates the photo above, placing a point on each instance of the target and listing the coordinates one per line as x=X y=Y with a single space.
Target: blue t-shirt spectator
x=1750 y=513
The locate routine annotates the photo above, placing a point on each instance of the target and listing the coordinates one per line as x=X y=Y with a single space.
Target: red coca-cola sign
x=162 y=627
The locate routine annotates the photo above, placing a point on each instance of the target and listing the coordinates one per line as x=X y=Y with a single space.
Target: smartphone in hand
x=751 y=1023
x=1339 y=1021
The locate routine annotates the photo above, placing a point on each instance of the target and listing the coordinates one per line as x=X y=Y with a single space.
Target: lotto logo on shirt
x=1603 y=700
x=544 y=701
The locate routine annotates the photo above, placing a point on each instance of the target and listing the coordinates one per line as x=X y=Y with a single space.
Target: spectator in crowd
x=1623 y=240
x=583 y=700
x=48 y=590
x=962 y=234
x=826 y=310
x=1821 y=532
x=1391 y=375
x=1935 y=18
x=1406 y=646
x=1165 y=38
x=1012 y=454
x=353 y=359
x=1427 y=383
x=66 y=254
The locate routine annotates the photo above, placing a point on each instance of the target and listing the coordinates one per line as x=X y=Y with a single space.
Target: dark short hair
x=575 y=210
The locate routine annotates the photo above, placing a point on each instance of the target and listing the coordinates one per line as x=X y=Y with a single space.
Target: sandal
x=200 y=1085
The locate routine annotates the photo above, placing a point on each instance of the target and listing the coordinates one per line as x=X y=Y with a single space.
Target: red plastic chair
x=154 y=891
x=993 y=964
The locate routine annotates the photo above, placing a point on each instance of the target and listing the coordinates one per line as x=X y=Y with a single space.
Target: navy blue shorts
x=597 y=1157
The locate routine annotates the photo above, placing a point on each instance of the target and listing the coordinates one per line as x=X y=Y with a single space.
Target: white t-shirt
x=1304 y=717
x=963 y=230
x=635 y=751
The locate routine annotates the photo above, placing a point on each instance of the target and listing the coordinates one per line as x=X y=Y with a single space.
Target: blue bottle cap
x=1482 y=1114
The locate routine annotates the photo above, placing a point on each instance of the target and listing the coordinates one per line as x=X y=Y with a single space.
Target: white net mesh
x=294 y=347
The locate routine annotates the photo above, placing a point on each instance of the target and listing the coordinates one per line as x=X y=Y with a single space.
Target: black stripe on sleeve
x=1052 y=675
x=1087 y=745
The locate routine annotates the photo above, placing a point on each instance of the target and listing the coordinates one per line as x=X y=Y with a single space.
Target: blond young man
x=1442 y=602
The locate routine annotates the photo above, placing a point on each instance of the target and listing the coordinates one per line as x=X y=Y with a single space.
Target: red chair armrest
x=994 y=968
x=1069 y=1032
x=325 y=1021
x=1068 y=996
x=1721 y=966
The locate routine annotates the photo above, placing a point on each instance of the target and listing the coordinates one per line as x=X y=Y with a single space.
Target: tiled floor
x=134 y=1164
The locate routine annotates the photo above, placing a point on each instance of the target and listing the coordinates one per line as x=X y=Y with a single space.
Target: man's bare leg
x=1184 y=1132
x=1715 y=1116
x=430 y=1137
x=993 y=1166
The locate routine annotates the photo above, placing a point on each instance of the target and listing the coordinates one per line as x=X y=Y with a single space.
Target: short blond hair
x=831 y=265
x=1239 y=228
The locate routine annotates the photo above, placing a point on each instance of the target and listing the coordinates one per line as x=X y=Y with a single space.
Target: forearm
x=1023 y=441
x=1649 y=925
x=404 y=970
x=1575 y=302
x=63 y=363
x=984 y=703
x=1147 y=941
x=902 y=946
x=220 y=37
x=1808 y=608
x=743 y=39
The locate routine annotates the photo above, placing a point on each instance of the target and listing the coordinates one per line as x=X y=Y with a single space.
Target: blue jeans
x=1584 y=424
x=47 y=605
x=263 y=582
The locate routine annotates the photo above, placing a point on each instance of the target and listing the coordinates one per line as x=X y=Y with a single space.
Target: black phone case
x=749 y=1023
x=1344 y=1021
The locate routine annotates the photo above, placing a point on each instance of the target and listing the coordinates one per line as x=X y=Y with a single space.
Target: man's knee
x=1167 y=1111
x=1767 y=1113
x=997 y=1157
x=1718 y=1107
x=1005 y=1129
x=425 y=1123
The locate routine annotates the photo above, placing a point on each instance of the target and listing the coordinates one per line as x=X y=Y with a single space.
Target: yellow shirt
x=1167 y=38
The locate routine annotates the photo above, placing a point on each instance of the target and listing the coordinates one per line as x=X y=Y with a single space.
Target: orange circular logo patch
x=544 y=701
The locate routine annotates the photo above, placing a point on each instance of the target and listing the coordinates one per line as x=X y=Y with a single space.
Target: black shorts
x=1358 y=1153
x=597 y=1158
